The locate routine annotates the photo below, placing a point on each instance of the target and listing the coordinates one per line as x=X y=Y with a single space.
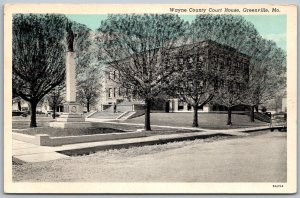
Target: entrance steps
x=260 y=116
x=126 y=115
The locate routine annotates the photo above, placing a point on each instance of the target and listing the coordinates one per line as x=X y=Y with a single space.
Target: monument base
x=71 y=118
x=70 y=124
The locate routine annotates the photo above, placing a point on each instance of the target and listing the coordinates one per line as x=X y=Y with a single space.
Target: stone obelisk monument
x=71 y=118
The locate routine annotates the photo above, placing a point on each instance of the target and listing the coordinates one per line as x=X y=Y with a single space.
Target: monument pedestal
x=71 y=118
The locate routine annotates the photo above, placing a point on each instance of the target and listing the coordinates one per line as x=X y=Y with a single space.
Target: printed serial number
x=278 y=186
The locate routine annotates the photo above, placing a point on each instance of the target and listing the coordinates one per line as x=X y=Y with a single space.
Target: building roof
x=209 y=42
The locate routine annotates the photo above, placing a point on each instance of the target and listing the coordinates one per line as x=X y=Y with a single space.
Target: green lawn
x=206 y=120
x=24 y=124
x=19 y=122
x=58 y=132
x=97 y=128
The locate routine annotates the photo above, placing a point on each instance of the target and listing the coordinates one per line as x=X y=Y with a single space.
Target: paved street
x=260 y=157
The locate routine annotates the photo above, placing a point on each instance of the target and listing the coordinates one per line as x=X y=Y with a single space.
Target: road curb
x=164 y=140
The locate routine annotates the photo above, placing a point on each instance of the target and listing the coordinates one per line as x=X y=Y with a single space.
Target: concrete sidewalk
x=29 y=153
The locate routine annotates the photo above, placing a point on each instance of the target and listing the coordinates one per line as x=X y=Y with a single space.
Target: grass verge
x=59 y=132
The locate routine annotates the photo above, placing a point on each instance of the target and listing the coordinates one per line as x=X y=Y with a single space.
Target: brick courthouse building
x=214 y=56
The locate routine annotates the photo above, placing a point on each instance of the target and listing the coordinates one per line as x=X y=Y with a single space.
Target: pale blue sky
x=271 y=27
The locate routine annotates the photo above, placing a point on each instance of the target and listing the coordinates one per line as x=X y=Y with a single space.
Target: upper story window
x=237 y=65
x=229 y=63
x=112 y=75
x=201 y=58
x=108 y=75
x=115 y=75
x=201 y=83
x=180 y=61
x=221 y=63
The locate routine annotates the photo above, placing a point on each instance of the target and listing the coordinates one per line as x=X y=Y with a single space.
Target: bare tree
x=89 y=87
x=17 y=100
x=134 y=46
x=236 y=32
x=55 y=98
x=230 y=30
x=267 y=74
x=231 y=83
x=38 y=56
x=83 y=46
x=194 y=79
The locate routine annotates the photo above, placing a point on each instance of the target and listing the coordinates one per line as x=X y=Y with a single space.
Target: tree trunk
x=256 y=108
x=229 y=116
x=88 y=106
x=195 y=120
x=54 y=111
x=19 y=106
x=252 y=113
x=33 y=105
x=147 y=115
x=167 y=106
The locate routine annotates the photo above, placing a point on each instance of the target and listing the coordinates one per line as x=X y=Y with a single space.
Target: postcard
x=150 y=98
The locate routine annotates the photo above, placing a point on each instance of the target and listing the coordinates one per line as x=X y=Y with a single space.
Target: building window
x=167 y=63
x=237 y=65
x=108 y=75
x=238 y=86
x=221 y=83
x=216 y=84
x=229 y=62
x=109 y=92
x=242 y=65
x=180 y=61
x=213 y=63
x=221 y=63
x=189 y=66
x=201 y=58
x=114 y=75
x=205 y=64
x=201 y=83
x=114 y=92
